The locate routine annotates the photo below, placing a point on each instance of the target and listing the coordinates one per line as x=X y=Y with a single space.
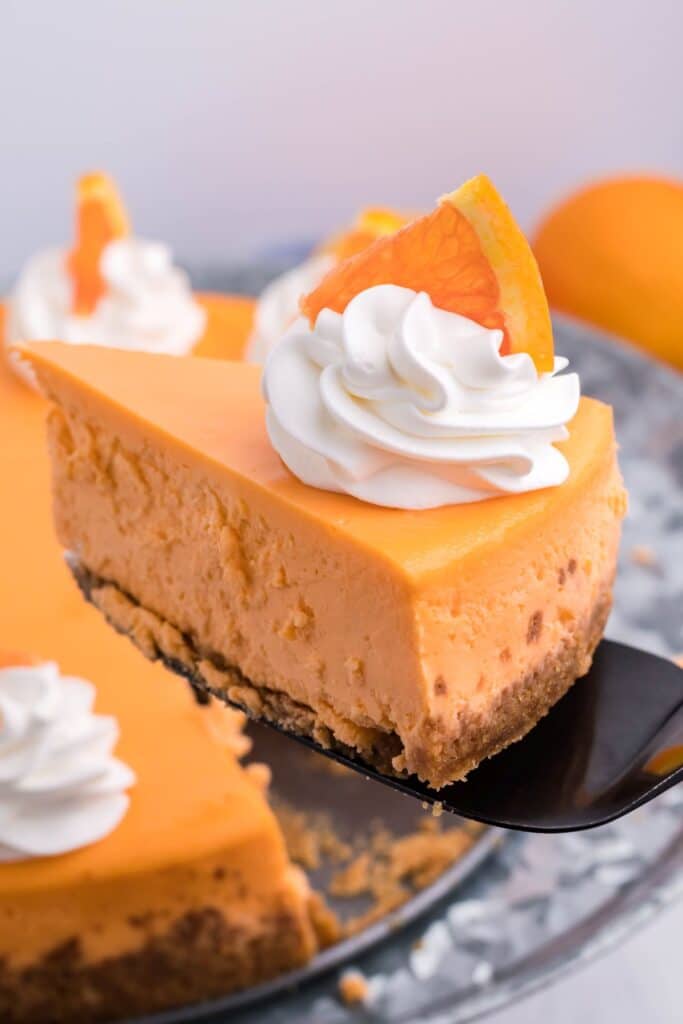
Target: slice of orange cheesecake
x=425 y=640
x=192 y=894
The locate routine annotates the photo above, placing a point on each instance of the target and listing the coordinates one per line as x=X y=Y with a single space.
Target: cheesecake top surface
x=192 y=798
x=212 y=415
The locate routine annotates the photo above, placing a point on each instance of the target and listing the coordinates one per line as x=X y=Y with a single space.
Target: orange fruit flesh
x=100 y=219
x=470 y=256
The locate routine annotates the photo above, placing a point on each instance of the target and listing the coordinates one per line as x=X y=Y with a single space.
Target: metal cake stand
x=520 y=910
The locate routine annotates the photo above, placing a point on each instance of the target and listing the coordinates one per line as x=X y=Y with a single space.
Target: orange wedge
x=470 y=256
x=100 y=219
x=370 y=224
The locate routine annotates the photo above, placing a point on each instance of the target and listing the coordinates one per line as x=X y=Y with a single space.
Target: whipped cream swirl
x=278 y=304
x=148 y=303
x=405 y=405
x=60 y=787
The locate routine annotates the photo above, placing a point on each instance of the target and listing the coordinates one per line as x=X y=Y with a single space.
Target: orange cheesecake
x=192 y=894
x=423 y=640
x=114 y=289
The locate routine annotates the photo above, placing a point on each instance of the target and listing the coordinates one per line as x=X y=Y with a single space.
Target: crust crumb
x=354 y=879
x=310 y=838
x=353 y=988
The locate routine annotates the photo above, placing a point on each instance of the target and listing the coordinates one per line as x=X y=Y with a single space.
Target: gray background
x=233 y=124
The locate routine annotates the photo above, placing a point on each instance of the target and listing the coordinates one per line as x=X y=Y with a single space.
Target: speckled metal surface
x=543 y=904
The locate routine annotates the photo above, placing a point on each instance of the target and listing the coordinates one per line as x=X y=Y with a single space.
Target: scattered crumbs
x=353 y=987
x=302 y=841
x=353 y=879
x=331 y=846
x=422 y=857
x=643 y=554
x=380 y=838
x=310 y=838
x=382 y=870
x=385 y=897
x=392 y=869
x=326 y=923
x=425 y=805
x=437 y=809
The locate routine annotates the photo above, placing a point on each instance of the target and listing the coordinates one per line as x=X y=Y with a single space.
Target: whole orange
x=612 y=254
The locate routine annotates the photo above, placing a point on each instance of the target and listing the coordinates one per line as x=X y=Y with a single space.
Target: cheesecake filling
x=61 y=788
x=405 y=405
x=426 y=662
x=148 y=304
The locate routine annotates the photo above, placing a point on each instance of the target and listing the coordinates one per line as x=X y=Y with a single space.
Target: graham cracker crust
x=442 y=759
x=202 y=956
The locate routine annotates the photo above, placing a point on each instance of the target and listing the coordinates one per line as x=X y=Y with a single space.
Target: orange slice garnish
x=370 y=224
x=100 y=219
x=470 y=256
